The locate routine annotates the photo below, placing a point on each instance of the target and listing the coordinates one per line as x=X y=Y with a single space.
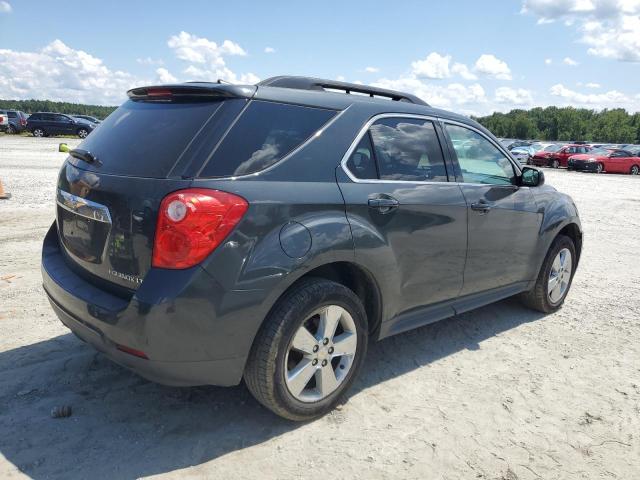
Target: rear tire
x=38 y=132
x=635 y=170
x=298 y=385
x=83 y=132
x=541 y=297
x=10 y=130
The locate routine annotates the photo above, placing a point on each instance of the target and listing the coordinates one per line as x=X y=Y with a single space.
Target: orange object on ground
x=3 y=195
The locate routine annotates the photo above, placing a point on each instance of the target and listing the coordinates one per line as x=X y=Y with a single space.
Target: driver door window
x=480 y=160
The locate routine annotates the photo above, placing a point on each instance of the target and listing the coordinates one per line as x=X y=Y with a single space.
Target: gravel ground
x=498 y=393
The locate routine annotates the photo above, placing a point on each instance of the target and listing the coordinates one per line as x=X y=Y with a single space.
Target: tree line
x=32 y=106
x=566 y=123
x=551 y=123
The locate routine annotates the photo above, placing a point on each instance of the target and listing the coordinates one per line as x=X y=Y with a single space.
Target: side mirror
x=532 y=177
x=63 y=147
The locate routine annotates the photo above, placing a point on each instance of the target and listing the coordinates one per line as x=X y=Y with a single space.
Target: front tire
x=10 y=130
x=555 y=164
x=309 y=350
x=555 y=277
x=599 y=168
x=635 y=170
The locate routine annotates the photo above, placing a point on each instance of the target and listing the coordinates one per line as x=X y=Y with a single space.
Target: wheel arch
x=572 y=230
x=353 y=276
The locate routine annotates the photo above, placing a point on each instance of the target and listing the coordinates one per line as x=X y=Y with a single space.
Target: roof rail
x=309 y=83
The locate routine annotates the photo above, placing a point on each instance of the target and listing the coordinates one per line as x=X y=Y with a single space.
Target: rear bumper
x=583 y=166
x=540 y=162
x=182 y=320
x=178 y=374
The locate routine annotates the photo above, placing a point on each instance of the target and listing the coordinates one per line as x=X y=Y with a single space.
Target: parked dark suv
x=207 y=233
x=17 y=121
x=45 y=124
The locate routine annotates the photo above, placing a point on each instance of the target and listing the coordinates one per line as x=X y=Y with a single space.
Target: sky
x=467 y=56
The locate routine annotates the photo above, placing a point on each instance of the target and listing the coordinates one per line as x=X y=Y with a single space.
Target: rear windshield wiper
x=85 y=156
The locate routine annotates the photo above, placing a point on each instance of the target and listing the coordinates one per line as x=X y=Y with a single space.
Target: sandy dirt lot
x=498 y=393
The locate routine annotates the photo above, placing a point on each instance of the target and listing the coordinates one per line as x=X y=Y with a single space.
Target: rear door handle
x=481 y=206
x=383 y=204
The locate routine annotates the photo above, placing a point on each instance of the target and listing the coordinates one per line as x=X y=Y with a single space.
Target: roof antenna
x=221 y=81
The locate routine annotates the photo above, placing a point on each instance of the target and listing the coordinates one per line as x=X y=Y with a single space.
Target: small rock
x=62 y=411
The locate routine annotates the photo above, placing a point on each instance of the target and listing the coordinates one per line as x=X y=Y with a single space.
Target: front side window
x=480 y=160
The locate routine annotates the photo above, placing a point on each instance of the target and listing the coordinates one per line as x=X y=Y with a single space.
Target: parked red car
x=560 y=157
x=606 y=160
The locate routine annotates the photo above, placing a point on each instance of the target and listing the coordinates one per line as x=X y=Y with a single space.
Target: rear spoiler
x=186 y=91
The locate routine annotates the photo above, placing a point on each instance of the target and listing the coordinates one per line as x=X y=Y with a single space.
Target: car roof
x=320 y=93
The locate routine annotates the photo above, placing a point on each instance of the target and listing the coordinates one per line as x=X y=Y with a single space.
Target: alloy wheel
x=635 y=170
x=560 y=276
x=321 y=354
x=38 y=132
x=599 y=168
x=82 y=133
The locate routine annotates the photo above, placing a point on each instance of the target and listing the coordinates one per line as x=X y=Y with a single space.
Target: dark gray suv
x=207 y=233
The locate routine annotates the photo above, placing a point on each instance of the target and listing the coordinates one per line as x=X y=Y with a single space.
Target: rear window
x=264 y=134
x=146 y=139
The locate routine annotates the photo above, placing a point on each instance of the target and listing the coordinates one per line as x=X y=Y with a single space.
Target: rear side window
x=361 y=163
x=408 y=149
x=264 y=134
x=402 y=149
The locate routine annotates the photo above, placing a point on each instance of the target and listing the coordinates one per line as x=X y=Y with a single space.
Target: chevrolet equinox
x=208 y=233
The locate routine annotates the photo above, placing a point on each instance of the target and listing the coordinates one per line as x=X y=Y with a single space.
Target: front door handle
x=481 y=206
x=383 y=204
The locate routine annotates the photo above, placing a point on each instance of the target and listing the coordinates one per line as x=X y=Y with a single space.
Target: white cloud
x=371 y=69
x=467 y=99
x=437 y=66
x=548 y=61
x=61 y=73
x=58 y=72
x=164 y=76
x=610 y=99
x=269 y=50
x=149 y=61
x=192 y=48
x=462 y=70
x=434 y=66
x=570 y=61
x=610 y=28
x=207 y=59
x=5 y=7
x=492 y=66
x=513 y=96
x=592 y=85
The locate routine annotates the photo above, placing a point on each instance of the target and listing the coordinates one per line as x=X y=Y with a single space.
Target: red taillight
x=159 y=92
x=192 y=223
